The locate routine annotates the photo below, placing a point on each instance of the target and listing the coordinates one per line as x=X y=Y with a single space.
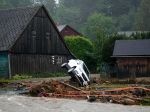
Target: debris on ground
x=105 y=91
x=59 y=89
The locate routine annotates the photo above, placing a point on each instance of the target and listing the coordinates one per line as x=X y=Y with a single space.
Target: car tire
x=63 y=65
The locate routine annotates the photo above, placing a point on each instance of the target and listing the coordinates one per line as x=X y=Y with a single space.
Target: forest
x=88 y=16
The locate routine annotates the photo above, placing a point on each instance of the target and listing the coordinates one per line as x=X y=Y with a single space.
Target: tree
x=108 y=47
x=122 y=12
x=14 y=3
x=99 y=22
x=83 y=49
x=68 y=16
x=99 y=43
x=50 y=4
x=125 y=22
x=143 y=16
x=3 y=4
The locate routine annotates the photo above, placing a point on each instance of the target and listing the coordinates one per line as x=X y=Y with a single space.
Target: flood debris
x=59 y=89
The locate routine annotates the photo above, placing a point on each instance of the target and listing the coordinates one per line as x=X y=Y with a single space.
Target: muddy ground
x=10 y=102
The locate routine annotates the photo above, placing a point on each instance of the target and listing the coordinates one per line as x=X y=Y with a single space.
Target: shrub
x=47 y=75
x=82 y=48
x=19 y=77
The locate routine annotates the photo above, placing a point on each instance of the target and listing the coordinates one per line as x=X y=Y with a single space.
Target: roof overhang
x=146 y=56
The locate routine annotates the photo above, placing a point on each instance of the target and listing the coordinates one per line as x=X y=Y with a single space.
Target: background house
x=129 y=33
x=66 y=30
x=30 y=42
x=132 y=58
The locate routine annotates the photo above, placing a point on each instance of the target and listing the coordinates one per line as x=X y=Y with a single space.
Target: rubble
x=58 y=89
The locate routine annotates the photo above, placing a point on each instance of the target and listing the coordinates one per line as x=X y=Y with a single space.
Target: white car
x=77 y=69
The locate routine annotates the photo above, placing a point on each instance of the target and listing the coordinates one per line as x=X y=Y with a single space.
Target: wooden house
x=130 y=33
x=30 y=42
x=132 y=58
x=67 y=30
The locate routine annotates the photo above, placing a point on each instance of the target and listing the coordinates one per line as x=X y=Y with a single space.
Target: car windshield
x=86 y=69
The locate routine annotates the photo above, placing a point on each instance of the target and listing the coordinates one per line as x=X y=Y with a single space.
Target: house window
x=53 y=60
x=47 y=35
x=33 y=32
x=33 y=45
x=59 y=60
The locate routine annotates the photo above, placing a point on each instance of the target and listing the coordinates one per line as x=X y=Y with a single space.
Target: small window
x=59 y=60
x=33 y=32
x=53 y=60
x=47 y=35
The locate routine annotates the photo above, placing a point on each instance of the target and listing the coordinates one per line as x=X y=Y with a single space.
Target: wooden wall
x=40 y=37
x=21 y=63
x=134 y=66
x=40 y=48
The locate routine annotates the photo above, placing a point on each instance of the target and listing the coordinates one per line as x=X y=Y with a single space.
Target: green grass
x=6 y=80
x=32 y=75
x=145 y=102
x=46 y=75
x=19 y=77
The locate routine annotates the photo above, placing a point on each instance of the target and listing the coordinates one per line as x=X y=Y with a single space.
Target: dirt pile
x=58 y=89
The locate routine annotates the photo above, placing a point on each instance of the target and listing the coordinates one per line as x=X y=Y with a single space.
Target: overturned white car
x=77 y=69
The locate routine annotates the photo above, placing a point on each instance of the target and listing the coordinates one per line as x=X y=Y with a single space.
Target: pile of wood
x=57 y=89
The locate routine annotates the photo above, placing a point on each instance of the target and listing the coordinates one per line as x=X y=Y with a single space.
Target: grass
x=19 y=77
x=47 y=75
x=145 y=102
x=32 y=75
x=6 y=80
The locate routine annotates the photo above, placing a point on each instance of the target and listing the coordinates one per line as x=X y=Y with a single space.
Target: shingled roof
x=12 y=24
x=132 y=48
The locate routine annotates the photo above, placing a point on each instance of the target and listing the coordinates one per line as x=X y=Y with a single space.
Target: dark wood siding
x=40 y=48
x=40 y=37
x=128 y=67
x=21 y=63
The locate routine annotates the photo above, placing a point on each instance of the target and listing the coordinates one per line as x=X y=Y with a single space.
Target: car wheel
x=63 y=65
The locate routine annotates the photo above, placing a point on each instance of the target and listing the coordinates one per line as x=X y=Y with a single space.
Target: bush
x=82 y=48
x=47 y=75
x=38 y=75
x=19 y=77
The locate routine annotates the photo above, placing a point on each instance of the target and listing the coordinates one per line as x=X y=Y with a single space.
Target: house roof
x=12 y=24
x=14 y=21
x=129 y=33
x=132 y=48
x=61 y=27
